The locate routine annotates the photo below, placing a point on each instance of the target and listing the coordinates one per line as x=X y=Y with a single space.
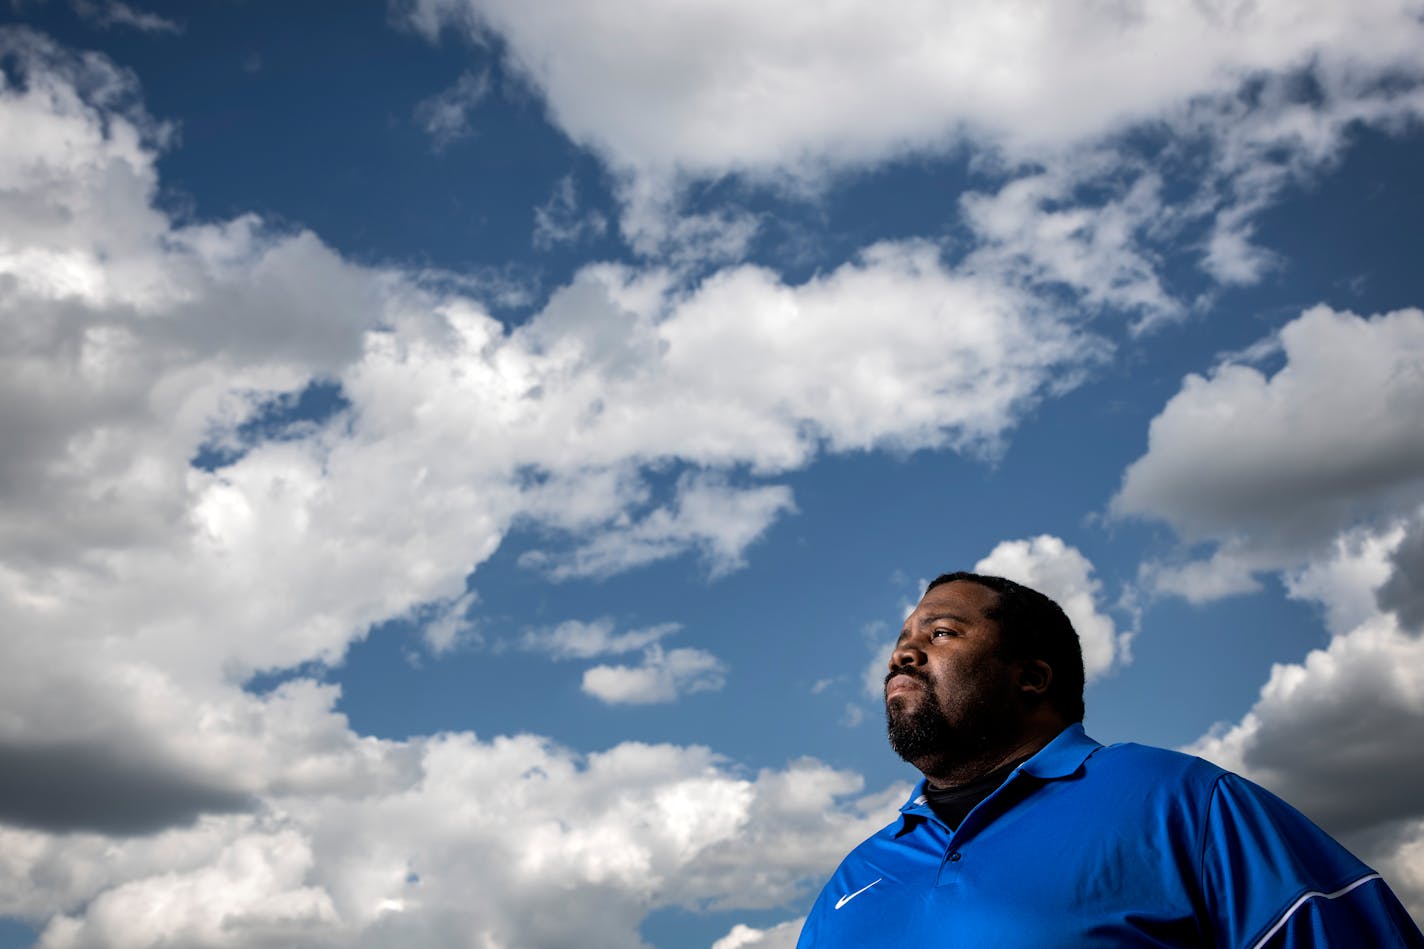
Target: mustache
x=908 y=671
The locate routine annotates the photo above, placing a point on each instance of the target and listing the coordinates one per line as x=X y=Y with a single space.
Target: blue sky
x=461 y=451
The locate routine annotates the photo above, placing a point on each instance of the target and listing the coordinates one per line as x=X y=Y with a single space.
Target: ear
x=1035 y=676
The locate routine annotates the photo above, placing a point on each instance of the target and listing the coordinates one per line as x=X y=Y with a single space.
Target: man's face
x=949 y=691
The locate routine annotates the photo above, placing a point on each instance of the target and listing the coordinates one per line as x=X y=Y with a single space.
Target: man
x=1027 y=833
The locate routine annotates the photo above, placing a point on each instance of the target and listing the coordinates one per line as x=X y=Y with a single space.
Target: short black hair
x=1032 y=626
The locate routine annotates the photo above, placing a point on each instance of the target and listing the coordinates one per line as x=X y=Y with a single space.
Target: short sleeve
x=1270 y=877
x=1366 y=914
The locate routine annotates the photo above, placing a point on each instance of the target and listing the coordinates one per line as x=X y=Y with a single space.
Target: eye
x=943 y=633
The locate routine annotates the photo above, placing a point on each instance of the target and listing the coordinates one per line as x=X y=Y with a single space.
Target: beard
x=928 y=731
x=922 y=731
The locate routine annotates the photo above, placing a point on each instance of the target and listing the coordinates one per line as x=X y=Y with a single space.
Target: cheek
x=958 y=687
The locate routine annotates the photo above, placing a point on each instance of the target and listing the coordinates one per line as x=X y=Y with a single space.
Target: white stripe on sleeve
x=1285 y=917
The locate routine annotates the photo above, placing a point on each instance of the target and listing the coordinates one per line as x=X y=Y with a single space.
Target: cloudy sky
x=465 y=460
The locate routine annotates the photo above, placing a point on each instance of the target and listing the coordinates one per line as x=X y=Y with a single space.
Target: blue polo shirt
x=1085 y=845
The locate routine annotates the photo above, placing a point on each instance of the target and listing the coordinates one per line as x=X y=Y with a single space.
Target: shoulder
x=1226 y=809
x=1075 y=755
x=1162 y=760
x=1159 y=769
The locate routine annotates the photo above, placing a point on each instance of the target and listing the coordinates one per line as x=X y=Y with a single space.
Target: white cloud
x=1403 y=591
x=1086 y=110
x=446 y=624
x=780 y=936
x=714 y=87
x=252 y=893
x=1404 y=868
x=663 y=676
x=881 y=644
x=575 y=639
x=1345 y=580
x=1273 y=468
x=1032 y=229
x=1227 y=572
x=872 y=677
x=1048 y=565
x=926 y=357
x=655 y=224
x=465 y=851
x=115 y=13
x=719 y=520
x=1231 y=257
x=446 y=116
x=559 y=221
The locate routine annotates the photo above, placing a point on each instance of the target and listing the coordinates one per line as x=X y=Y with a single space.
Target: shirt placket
x=960 y=843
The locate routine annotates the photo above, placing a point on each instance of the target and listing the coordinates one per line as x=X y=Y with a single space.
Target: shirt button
x=954 y=857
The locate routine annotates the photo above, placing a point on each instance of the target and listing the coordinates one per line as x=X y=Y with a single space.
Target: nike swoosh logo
x=850 y=896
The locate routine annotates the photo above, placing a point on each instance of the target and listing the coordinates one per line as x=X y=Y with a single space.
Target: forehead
x=963 y=600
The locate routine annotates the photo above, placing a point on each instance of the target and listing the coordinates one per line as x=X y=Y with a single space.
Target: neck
x=949 y=772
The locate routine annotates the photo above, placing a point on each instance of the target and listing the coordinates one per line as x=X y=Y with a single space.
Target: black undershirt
x=952 y=805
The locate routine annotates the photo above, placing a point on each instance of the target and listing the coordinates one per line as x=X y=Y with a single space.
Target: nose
x=906 y=654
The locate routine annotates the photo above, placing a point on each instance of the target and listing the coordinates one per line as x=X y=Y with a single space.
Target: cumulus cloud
x=662 y=676
x=656 y=224
x=1403 y=591
x=1344 y=579
x=1404 y=867
x=1034 y=230
x=1273 y=467
x=252 y=893
x=715 y=87
x=463 y=852
x=50 y=787
x=1061 y=572
x=780 y=936
x=1346 y=710
x=1227 y=572
x=1241 y=99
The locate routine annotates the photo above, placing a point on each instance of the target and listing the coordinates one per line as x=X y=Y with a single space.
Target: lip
x=900 y=684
